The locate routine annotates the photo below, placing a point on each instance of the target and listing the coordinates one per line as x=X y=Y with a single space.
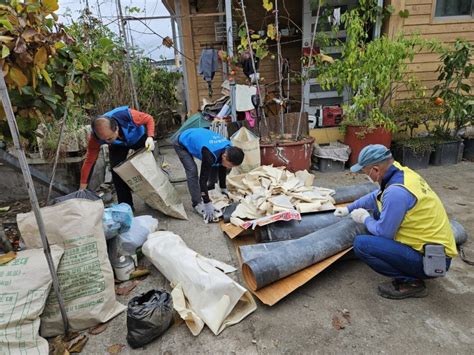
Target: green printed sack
x=25 y=283
x=85 y=275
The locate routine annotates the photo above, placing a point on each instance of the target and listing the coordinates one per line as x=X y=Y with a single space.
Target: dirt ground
x=303 y=322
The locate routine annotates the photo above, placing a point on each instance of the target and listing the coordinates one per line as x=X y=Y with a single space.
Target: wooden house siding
x=421 y=21
x=201 y=33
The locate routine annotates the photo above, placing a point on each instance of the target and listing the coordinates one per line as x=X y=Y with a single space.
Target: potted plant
x=453 y=94
x=410 y=149
x=371 y=71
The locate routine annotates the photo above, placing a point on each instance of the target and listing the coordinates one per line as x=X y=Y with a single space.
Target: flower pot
x=468 y=153
x=294 y=156
x=357 y=140
x=408 y=157
x=445 y=153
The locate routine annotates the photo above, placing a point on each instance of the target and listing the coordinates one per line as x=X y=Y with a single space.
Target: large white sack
x=25 y=283
x=85 y=275
x=142 y=174
x=203 y=294
x=250 y=144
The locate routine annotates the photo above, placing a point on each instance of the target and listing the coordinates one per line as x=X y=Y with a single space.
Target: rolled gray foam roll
x=295 y=255
x=351 y=193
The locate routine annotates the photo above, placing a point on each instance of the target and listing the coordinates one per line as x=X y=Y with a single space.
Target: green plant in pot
x=411 y=149
x=453 y=94
x=371 y=71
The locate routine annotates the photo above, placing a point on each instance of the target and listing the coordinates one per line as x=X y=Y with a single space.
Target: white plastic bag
x=141 y=227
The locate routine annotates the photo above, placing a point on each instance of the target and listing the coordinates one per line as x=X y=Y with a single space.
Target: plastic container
x=294 y=156
x=407 y=157
x=468 y=153
x=329 y=165
x=445 y=153
x=357 y=141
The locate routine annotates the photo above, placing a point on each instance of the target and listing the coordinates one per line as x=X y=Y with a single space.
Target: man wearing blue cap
x=407 y=215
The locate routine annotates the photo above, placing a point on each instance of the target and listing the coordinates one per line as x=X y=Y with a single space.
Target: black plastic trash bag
x=148 y=316
x=85 y=194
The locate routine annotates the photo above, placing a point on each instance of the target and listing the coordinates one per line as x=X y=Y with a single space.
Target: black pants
x=118 y=154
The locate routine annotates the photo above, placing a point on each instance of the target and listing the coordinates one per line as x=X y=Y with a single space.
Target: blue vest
x=194 y=139
x=131 y=132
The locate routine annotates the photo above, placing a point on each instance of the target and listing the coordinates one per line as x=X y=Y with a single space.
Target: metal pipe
x=229 y=29
x=252 y=58
x=7 y=106
x=295 y=255
x=177 y=6
x=310 y=62
x=280 y=89
x=127 y=50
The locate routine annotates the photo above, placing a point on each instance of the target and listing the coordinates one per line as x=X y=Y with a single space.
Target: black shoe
x=398 y=290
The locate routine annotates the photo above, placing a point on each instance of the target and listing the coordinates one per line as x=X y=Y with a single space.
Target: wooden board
x=275 y=292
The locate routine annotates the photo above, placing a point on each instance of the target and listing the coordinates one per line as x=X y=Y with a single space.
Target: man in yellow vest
x=407 y=216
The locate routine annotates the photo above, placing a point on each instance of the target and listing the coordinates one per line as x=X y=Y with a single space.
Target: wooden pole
x=7 y=106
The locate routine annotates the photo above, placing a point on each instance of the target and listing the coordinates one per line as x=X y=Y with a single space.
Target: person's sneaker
x=398 y=290
x=199 y=208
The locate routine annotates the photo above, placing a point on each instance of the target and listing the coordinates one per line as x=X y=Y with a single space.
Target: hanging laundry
x=208 y=65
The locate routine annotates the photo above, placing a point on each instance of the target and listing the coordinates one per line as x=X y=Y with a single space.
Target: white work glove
x=360 y=215
x=208 y=209
x=149 y=144
x=341 y=212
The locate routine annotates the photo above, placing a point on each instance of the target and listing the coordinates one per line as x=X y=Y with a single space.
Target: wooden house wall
x=203 y=36
x=421 y=21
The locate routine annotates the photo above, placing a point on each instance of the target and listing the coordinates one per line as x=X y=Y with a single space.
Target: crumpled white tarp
x=334 y=151
x=267 y=190
x=202 y=293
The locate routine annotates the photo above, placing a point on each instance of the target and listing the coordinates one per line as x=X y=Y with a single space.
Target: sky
x=142 y=37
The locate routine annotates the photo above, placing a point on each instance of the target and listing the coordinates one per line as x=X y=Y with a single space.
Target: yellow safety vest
x=427 y=222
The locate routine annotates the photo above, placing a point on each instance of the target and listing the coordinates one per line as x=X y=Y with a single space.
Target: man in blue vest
x=122 y=129
x=216 y=154
x=407 y=217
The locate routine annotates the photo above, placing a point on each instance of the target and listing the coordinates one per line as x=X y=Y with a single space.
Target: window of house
x=448 y=8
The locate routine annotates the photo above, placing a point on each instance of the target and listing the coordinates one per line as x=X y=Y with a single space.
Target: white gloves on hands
x=360 y=215
x=341 y=212
x=149 y=144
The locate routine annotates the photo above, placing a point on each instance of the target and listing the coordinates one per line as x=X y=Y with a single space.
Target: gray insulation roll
x=351 y=193
x=292 y=256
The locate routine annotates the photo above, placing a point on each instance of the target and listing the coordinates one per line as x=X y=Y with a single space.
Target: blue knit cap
x=371 y=154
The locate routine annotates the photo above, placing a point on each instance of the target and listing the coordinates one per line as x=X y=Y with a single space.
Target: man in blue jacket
x=216 y=155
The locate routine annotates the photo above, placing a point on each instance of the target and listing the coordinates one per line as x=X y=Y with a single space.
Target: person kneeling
x=408 y=217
